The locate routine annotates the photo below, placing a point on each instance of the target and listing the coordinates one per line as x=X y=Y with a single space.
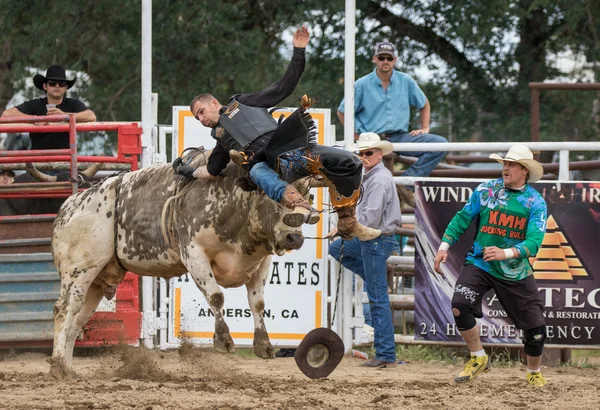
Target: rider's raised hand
x=301 y=37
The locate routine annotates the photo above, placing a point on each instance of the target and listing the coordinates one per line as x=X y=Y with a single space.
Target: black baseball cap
x=385 y=47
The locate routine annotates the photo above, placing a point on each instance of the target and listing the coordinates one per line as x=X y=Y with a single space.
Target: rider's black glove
x=182 y=168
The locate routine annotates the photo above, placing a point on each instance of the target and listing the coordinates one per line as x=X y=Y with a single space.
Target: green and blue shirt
x=506 y=219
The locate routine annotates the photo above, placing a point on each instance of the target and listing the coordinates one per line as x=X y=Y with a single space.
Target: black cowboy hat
x=54 y=72
x=319 y=353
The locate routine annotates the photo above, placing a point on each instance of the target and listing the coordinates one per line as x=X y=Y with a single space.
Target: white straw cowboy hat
x=368 y=140
x=521 y=154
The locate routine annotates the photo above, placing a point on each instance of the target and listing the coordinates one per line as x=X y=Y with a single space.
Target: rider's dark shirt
x=266 y=98
x=50 y=140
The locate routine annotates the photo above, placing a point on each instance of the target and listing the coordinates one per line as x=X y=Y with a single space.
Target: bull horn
x=37 y=174
x=304 y=184
x=90 y=171
x=318 y=182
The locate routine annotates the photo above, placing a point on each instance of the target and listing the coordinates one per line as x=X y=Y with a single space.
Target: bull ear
x=37 y=174
x=90 y=171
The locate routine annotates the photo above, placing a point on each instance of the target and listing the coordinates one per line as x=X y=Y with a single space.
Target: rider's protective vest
x=241 y=124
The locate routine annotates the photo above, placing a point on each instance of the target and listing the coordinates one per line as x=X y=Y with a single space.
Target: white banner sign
x=296 y=289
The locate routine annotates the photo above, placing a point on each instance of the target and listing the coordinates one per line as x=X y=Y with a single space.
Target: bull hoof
x=264 y=350
x=262 y=344
x=59 y=369
x=224 y=344
x=59 y=372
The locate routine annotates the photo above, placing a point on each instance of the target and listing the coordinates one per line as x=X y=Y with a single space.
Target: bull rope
x=169 y=236
x=337 y=290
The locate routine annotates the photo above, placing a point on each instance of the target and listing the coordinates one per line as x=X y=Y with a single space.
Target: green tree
x=482 y=54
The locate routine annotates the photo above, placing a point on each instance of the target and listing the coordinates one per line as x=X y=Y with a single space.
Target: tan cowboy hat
x=523 y=155
x=368 y=140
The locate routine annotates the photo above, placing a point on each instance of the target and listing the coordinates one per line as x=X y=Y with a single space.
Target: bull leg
x=200 y=270
x=92 y=299
x=112 y=274
x=67 y=307
x=255 y=288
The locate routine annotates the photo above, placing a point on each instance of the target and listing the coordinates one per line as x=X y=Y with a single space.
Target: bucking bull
x=153 y=224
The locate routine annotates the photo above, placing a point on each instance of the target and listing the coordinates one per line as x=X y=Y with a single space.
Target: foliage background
x=479 y=55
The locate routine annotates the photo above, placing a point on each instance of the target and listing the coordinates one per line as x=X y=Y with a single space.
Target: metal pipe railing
x=63 y=165
x=563 y=147
x=32 y=119
x=41 y=194
x=534 y=108
x=16 y=159
x=550 y=167
x=32 y=156
x=73 y=147
x=8 y=126
x=6 y=243
x=471 y=173
x=494 y=146
x=34 y=153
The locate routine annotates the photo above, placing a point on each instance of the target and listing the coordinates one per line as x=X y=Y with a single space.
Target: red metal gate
x=29 y=283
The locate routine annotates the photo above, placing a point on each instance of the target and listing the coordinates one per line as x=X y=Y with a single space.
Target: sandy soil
x=193 y=378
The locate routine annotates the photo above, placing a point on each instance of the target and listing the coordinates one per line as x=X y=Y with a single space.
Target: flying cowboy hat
x=369 y=140
x=521 y=154
x=54 y=72
x=319 y=353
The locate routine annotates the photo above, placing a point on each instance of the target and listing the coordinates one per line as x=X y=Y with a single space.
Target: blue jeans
x=292 y=166
x=427 y=159
x=368 y=260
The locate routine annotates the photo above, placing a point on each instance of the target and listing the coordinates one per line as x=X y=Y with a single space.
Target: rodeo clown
x=276 y=154
x=499 y=259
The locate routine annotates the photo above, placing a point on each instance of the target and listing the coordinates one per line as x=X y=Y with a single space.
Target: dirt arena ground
x=193 y=378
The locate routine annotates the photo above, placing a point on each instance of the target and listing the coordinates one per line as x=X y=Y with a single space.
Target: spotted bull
x=152 y=224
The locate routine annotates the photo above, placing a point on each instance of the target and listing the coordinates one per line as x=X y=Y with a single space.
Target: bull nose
x=293 y=241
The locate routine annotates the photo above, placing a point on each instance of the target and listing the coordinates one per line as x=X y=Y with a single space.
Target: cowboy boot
x=302 y=211
x=245 y=183
x=349 y=227
x=406 y=196
x=345 y=206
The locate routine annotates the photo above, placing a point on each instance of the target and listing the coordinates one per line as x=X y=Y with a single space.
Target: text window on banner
x=296 y=289
x=565 y=267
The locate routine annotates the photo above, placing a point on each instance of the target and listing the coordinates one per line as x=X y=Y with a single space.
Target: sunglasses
x=388 y=58
x=53 y=83
x=365 y=153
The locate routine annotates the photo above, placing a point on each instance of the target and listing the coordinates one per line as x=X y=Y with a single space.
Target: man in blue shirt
x=382 y=101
